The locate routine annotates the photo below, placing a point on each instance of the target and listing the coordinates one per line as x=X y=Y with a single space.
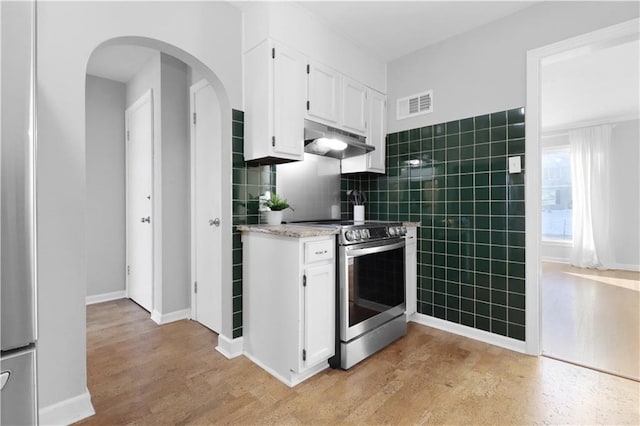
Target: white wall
x=148 y=77
x=105 y=186
x=625 y=198
x=297 y=28
x=483 y=71
x=207 y=36
x=175 y=185
x=625 y=194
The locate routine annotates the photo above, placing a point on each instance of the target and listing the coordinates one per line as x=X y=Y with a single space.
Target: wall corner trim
x=68 y=411
x=230 y=348
x=106 y=297
x=161 y=319
x=472 y=333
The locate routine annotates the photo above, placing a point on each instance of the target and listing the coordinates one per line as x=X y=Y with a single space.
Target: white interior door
x=205 y=203
x=139 y=151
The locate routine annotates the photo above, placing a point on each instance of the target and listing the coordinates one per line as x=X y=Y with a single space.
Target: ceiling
x=392 y=29
x=386 y=29
x=118 y=62
x=602 y=84
x=581 y=88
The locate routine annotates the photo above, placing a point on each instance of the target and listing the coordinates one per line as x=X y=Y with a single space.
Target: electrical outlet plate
x=515 y=164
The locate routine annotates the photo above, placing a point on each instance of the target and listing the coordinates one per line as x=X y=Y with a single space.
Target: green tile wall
x=248 y=183
x=452 y=177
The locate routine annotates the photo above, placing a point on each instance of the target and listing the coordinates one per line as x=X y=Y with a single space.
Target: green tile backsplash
x=248 y=183
x=452 y=177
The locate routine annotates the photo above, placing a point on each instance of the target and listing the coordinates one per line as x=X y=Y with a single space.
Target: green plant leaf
x=276 y=203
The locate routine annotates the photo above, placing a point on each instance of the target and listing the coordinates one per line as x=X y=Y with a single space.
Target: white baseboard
x=550 y=259
x=68 y=411
x=294 y=378
x=470 y=332
x=161 y=319
x=627 y=267
x=615 y=266
x=106 y=297
x=230 y=348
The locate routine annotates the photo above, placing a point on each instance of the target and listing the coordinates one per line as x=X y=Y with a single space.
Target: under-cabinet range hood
x=321 y=139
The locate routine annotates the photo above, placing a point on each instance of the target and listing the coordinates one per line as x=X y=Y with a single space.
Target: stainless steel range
x=370 y=297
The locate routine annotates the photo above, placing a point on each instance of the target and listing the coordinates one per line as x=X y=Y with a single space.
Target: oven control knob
x=404 y=230
x=365 y=234
x=360 y=234
x=392 y=231
x=349 y=235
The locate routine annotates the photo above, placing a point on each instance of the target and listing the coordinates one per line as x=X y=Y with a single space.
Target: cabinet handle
x=321 y=252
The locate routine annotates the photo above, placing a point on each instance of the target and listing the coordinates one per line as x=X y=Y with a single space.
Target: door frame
x=535 y=59
x=145 y=97
x=192 y=190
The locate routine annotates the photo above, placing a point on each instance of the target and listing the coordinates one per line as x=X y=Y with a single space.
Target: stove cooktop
x=341 y=223
x=352 y=232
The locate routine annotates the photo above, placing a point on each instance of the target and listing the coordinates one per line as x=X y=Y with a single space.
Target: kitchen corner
x=326 y=293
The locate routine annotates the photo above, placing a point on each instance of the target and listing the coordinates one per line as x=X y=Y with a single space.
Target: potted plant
x=276 y=205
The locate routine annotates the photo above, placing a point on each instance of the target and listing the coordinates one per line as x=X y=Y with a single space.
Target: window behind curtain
x=556 y=194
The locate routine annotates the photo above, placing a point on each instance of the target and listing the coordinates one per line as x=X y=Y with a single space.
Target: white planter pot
x=273 y=218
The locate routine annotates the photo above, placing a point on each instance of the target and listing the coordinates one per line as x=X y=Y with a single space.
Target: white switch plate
x=515 y=165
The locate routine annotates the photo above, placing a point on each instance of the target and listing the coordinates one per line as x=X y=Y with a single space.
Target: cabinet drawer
x=315 y=251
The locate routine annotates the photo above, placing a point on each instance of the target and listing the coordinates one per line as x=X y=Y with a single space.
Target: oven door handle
x=355 y=252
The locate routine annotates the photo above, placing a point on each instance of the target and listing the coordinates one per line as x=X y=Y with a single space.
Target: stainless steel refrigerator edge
x=18 y=403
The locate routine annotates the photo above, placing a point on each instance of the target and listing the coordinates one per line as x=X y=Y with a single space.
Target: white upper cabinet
x=354 y=106
x=289 y=88
x=275 y=96
x=335 y=99
x=376 y=133
x=323 y=94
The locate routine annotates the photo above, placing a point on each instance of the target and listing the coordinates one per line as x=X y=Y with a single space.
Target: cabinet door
x=319 y=314
x=289 y=81
x=354 y=106
x=411 y=275
x=377 y=131
x=324 y=91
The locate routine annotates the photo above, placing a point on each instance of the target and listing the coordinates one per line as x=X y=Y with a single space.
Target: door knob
x=215 y=222
x=146 y=219
x=4 y=378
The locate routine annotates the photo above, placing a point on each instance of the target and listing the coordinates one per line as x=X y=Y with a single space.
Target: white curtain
x=590 y=173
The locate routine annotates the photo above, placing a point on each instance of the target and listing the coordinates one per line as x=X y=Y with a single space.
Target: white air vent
x=411 y=106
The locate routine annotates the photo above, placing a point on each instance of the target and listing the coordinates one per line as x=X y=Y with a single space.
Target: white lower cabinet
x=289 y=304
x=411 y=263
x=319 y=321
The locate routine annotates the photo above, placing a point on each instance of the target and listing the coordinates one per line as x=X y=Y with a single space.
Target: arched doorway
x=205 y=35
x=142 y=64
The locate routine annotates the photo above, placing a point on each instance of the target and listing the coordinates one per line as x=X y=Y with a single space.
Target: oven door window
x=376 y=284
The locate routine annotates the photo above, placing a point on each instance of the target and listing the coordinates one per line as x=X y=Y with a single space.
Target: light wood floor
x=141 y=373
x=592 y=317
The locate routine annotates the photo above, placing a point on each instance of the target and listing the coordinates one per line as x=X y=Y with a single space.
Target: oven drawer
x=316 y=251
